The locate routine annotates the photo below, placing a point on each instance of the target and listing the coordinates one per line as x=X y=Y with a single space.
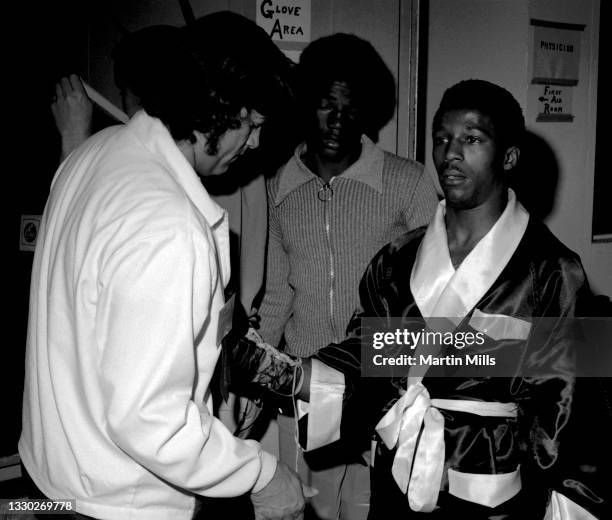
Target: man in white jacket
x=127 y=309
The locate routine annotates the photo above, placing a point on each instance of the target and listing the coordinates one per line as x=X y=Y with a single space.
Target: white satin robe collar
x=441 y=291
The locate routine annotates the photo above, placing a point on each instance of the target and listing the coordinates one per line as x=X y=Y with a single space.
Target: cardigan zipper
x=327 y=190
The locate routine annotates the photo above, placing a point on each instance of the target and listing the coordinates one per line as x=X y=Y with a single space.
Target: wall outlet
x=30 y=225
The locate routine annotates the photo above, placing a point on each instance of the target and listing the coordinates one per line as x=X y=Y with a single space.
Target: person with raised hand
x=128 y=312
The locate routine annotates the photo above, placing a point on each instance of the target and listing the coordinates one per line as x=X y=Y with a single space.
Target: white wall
x=489 y=39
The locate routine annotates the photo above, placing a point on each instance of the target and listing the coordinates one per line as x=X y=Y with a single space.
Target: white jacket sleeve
x=157 y=319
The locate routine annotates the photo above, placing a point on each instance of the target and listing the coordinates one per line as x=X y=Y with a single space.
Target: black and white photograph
x=307 y=260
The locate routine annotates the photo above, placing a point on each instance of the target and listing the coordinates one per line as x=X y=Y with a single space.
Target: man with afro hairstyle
x=331 y=207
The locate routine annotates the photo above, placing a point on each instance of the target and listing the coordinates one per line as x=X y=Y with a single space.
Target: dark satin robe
x=542 y=279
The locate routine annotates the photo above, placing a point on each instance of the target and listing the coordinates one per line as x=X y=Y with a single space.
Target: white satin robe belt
x=325 y=407
x=418 y=464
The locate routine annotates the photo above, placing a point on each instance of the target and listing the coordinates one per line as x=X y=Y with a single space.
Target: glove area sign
x=285 y=20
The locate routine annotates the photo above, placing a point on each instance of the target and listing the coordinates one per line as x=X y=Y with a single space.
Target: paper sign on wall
x=556 y=52
x=554 y=103
x=285 y=20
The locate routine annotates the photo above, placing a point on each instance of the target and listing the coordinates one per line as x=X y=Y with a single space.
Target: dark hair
x=491 y=100
x=348 y=58
x=198 y=78
x=158 y=66
x=136 y=56
x=249 y=69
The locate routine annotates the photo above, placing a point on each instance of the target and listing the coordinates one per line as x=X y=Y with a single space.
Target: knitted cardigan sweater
x=323 y=236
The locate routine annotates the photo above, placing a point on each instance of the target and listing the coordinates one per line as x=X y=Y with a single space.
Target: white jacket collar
x=156 y=137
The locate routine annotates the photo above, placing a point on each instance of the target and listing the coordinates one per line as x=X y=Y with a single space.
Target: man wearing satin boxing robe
x=470 y=447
